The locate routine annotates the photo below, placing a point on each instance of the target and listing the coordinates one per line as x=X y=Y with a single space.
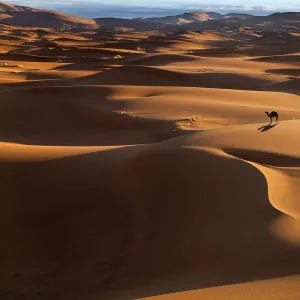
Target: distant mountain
x=286 y=17
x=29 y=17
x=161 y=23
x=185 y=18
x=206 y=21
x=278 y=21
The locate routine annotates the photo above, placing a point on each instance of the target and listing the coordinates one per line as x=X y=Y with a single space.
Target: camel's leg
x=271 y=120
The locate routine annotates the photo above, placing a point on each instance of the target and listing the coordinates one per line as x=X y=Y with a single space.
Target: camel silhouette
x=272 y=115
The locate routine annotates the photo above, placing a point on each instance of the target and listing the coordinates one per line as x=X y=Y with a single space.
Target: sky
x=153 y=8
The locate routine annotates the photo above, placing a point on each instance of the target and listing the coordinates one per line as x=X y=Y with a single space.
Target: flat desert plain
x=142 y=165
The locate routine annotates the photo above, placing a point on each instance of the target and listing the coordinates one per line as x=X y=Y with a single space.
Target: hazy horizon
x=146 y=9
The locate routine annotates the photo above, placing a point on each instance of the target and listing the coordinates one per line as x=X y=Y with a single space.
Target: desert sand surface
x=142 y=165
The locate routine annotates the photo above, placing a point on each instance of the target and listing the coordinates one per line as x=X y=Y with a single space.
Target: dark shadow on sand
x=267 y=127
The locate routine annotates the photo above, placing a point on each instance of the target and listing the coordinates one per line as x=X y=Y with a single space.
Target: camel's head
x=266 y=113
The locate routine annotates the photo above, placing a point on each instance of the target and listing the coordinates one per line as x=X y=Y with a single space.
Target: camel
x=272 y=115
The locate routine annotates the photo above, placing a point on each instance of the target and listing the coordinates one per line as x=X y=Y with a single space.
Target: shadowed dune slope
x=288 y=86
x=161 y=59
x=64 y=115
x=279 y=59
x=150 y=76
x=104 y=189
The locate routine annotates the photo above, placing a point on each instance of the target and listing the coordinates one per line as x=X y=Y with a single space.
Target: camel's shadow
x=267 y=127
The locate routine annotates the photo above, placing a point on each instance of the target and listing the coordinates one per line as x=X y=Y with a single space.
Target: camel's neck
x=268 y=114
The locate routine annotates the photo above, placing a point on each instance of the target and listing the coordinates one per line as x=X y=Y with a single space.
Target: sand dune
x=144 y=76
x=23 y=153
x=192 y=241
x=161 y=59
x=25 y=16
x=152 y=113
x=142 y=165
x=288 y=86
x=17 y=74
x=201 y=36
x=280 y=59
x=291 y=72
x=266 y=289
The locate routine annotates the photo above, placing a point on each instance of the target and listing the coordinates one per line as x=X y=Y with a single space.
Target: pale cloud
x=152 y=8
